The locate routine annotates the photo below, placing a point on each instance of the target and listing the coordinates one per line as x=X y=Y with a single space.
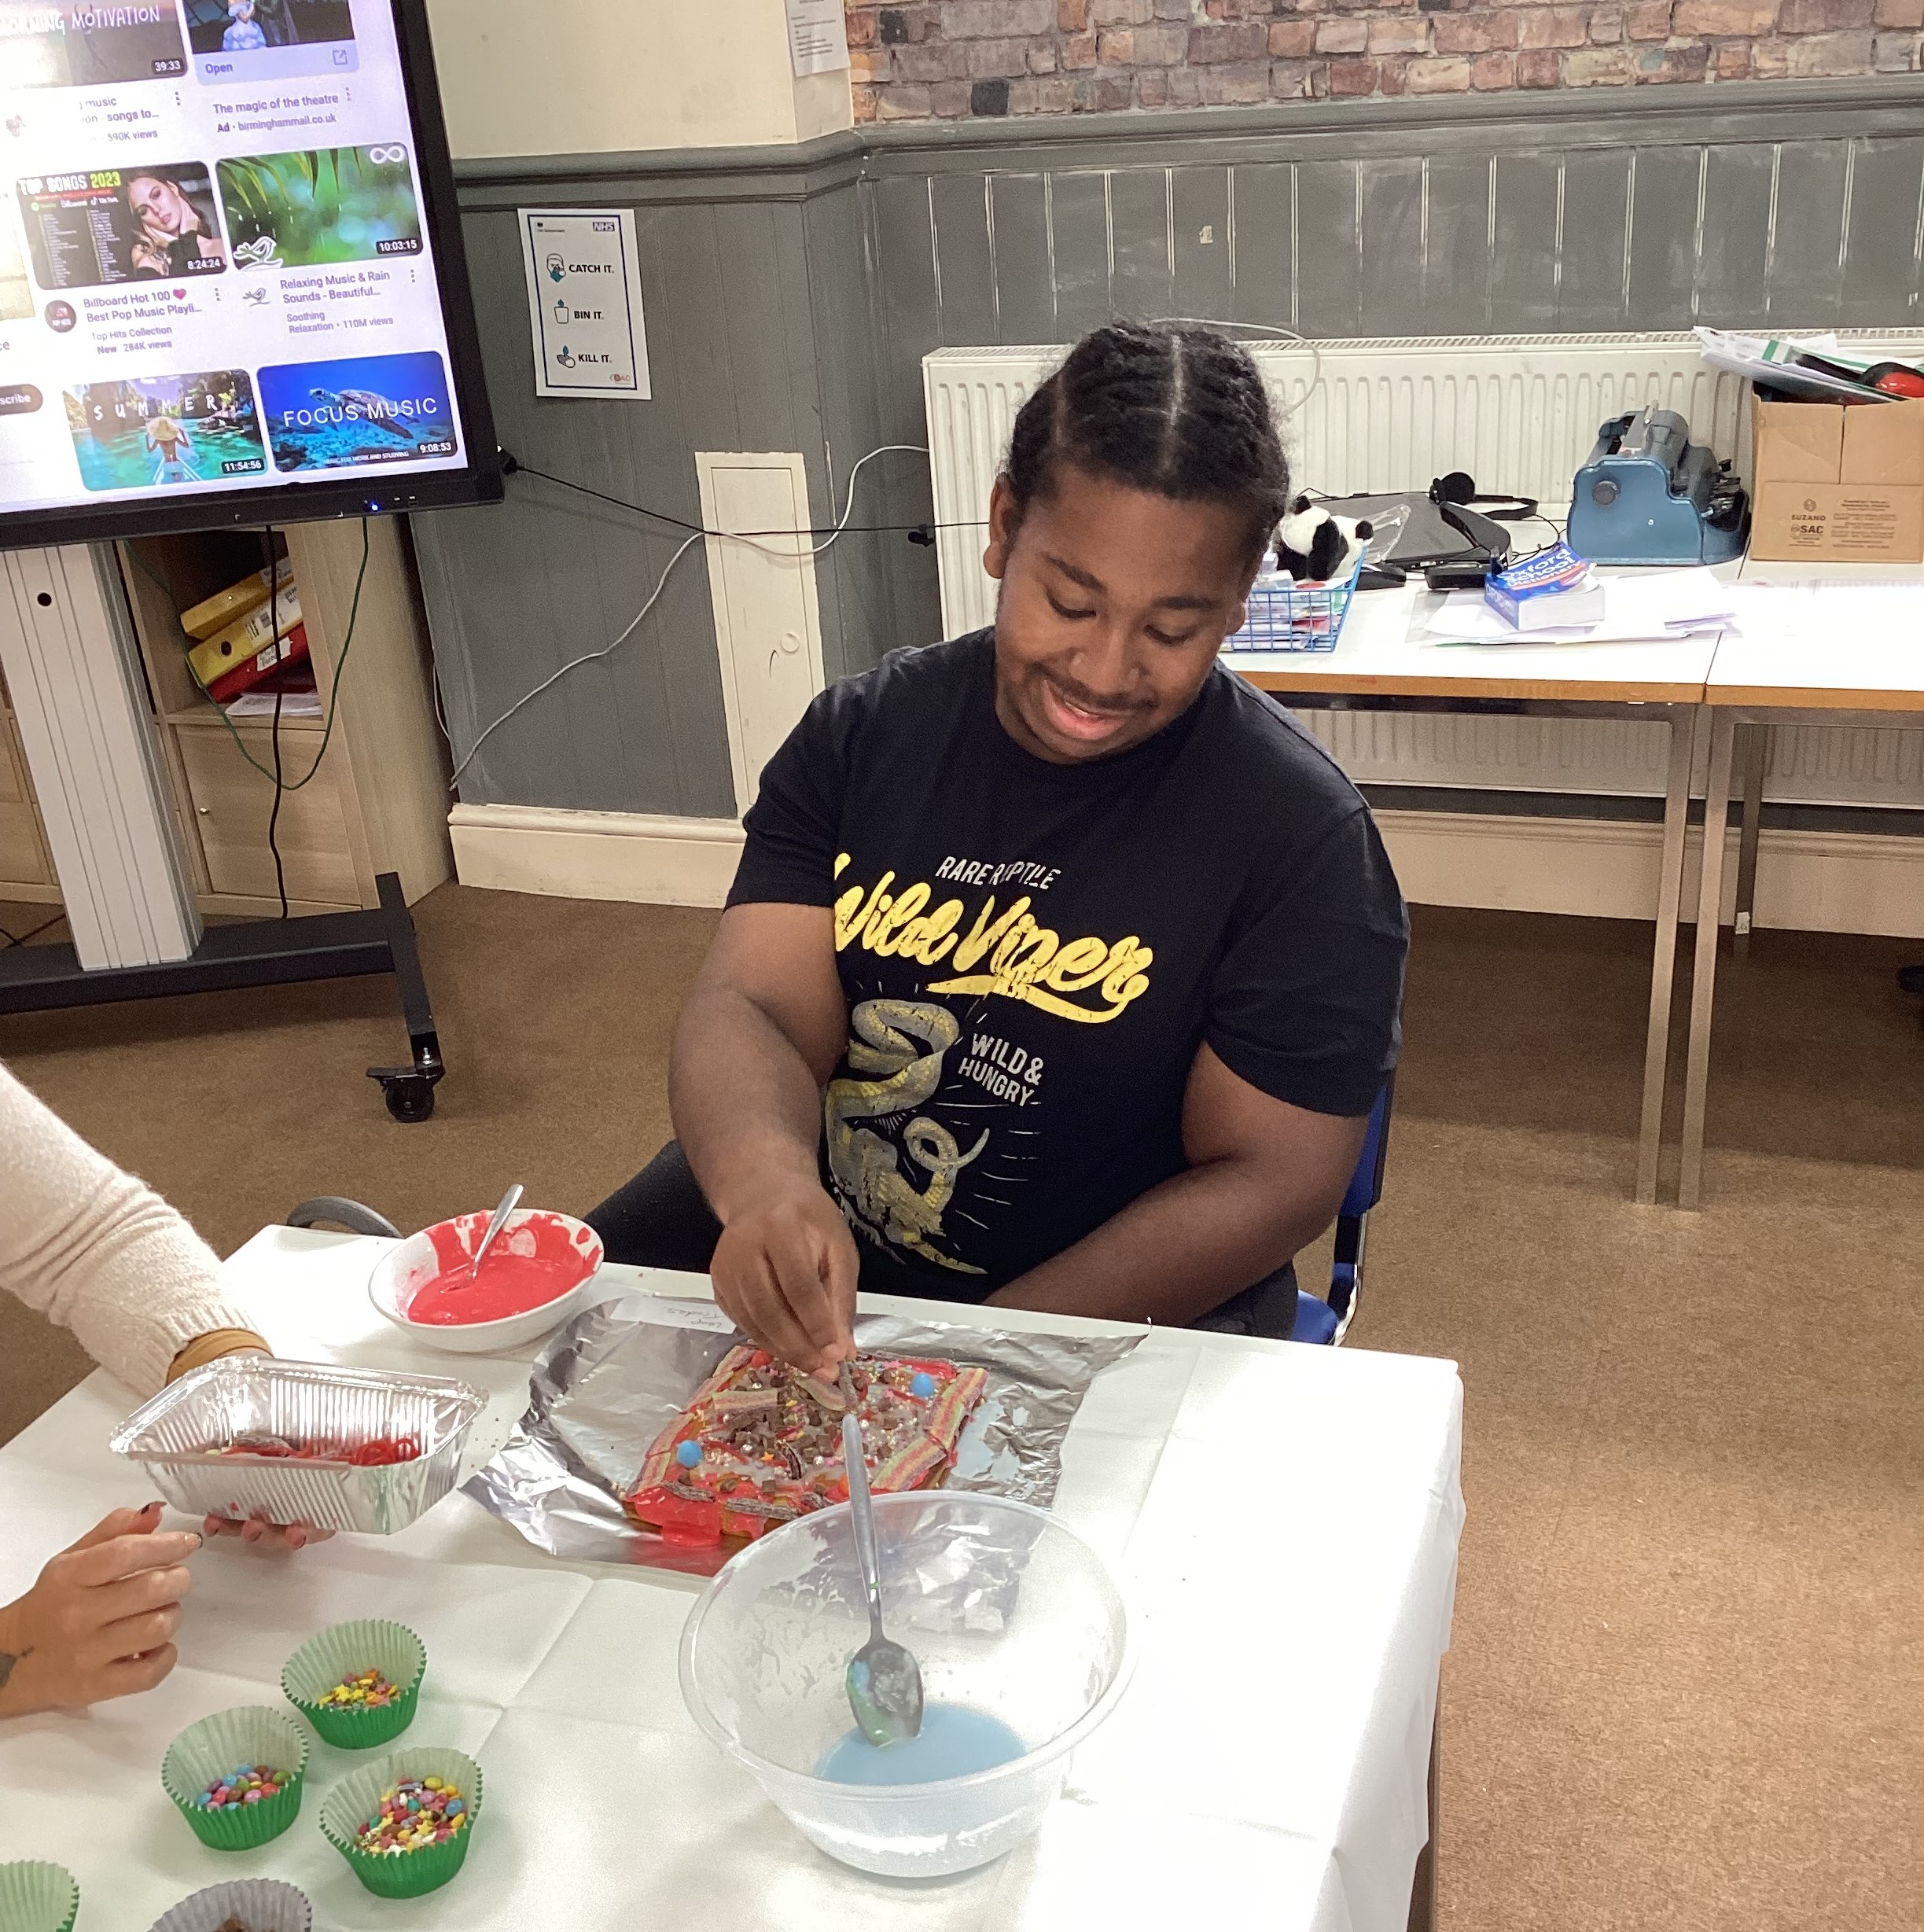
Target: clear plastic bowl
x=1006 y=1612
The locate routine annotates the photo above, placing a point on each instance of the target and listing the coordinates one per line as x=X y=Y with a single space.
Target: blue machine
x=1650 y=495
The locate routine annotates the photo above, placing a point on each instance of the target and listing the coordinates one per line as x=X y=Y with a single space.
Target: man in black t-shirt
x=1062 y=968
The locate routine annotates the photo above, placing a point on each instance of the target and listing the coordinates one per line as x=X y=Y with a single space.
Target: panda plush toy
x=1315 y=546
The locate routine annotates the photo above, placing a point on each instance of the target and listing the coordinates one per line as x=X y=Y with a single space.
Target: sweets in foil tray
x=303 y=1442
x=761 y=1443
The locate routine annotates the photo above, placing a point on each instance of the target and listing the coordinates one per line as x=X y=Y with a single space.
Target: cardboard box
x=1837 y=483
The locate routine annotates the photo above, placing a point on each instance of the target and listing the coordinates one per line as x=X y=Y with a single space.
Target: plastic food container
x=357 y=1798
x=403 y=1272
x=261 y=1904
x=252 y=1734
x=37 y=1898
x=170 y=1439
x=1007 y=1612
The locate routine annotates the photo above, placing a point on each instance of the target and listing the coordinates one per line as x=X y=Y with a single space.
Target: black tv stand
x=261 y=952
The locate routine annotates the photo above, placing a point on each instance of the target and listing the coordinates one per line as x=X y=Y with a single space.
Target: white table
x=1381 y=663
x=1852 y=658
x=1297 y=1800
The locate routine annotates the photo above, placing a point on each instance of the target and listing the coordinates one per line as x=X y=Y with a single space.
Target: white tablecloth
x=1291 y=1794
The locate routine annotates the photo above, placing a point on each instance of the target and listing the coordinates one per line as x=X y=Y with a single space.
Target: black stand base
x=262 y=952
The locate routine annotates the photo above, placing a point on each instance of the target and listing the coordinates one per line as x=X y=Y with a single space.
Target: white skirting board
x=1808 y=881
x=657 y=861
x=1602 y=868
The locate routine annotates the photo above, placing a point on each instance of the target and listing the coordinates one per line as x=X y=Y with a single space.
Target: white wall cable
x=654 y=597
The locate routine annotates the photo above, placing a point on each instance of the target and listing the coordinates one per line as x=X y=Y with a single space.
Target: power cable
x=696 y=533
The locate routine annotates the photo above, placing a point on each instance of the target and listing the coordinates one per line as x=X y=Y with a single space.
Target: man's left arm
x=1264 y=1179
x=1301 y=1034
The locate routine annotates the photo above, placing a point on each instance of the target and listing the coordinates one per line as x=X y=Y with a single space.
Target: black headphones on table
x=1457 y=490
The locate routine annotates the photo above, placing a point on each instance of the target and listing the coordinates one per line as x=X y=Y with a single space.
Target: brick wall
x=947 y=59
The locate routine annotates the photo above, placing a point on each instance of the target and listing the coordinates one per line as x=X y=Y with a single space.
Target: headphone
x=1459 y=489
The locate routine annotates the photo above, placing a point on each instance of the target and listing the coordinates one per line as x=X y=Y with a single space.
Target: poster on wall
x=818 y=36
x=584 y=301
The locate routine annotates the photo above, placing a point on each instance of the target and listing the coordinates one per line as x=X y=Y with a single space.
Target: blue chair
x=1328 y=1322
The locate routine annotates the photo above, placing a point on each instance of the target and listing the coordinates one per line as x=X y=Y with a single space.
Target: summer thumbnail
x=164 y=430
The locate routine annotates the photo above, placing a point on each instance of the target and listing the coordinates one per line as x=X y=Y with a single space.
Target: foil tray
x=171 y=1439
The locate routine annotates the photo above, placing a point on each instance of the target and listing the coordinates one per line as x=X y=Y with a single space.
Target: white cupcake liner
x=261 y=1904
x=346 y=1650
x=252 y=1734
x=37 y=1897
x=357 y=1798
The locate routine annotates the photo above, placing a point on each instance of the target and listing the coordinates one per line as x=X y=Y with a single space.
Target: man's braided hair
x=1172 y=410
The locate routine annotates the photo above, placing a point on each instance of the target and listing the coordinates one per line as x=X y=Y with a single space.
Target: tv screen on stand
x=232 y=287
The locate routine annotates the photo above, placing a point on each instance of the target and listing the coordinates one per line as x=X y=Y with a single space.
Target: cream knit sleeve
x=96 y=1251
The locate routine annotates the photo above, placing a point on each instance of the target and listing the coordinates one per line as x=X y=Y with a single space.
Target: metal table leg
x=1756 y=763
x=1662 y=960
x=1703 y=980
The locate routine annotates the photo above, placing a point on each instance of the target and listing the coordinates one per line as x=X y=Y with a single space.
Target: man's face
x=159 y=205
x=1113 y=605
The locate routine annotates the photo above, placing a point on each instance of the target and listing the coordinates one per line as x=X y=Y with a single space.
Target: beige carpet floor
x=1688 y=1673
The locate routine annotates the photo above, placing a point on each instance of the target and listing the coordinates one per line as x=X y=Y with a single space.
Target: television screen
x=231 y=289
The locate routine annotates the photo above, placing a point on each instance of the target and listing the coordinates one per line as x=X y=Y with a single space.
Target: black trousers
x=660 y=1218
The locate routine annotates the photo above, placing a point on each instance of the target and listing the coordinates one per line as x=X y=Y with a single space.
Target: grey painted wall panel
x=1737 y=185
x=1078 y=231
x=1024 y=282
x=518 y=590
x=1880 y=273
x=791 y=299
x=1457 y=258
x=1806 y=270
x=1390 y=266
x=1265 y=266
x=1664 y=184
x=965 y=259
x=1523 y=257
x=1141 y=276
x=857 y=575
x=1204 y=268
x=1327 y=248
x=1591 y=291
x=911 y=312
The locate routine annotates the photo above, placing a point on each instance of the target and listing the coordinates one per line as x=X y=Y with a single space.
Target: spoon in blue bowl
x=885 y=1682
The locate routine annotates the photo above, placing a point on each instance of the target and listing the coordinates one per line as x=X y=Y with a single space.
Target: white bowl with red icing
x=539 y=1272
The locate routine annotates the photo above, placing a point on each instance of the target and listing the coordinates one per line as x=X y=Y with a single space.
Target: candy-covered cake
x=761 y=1443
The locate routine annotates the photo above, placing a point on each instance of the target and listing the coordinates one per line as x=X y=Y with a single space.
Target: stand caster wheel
x=409 y=1092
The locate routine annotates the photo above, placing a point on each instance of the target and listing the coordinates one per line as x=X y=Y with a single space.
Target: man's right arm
x=758 y=1036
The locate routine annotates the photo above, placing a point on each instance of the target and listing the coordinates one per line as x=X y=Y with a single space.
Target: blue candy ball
x=688 y=1454
x=923 y=1385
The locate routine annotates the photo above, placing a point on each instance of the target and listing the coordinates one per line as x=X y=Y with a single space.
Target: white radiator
x=1520 y=414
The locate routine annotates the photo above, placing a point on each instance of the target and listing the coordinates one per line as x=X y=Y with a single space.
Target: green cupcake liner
x=252 y=1734
x=357 y=1798
x=37 y=1898
x=345 y=1650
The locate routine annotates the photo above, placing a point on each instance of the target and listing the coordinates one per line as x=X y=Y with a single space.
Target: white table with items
x=1384 y=661
x=1299 y=1506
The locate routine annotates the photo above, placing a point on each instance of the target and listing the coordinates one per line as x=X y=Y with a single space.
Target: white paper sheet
x=818 y=36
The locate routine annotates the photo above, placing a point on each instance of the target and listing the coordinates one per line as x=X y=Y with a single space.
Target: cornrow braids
x=1171 y=409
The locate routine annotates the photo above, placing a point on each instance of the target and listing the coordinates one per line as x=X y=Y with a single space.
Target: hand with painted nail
x=258 y=1530
x=100 y=1623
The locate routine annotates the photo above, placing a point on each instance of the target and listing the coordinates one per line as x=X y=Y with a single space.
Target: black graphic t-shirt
x=1033 y=953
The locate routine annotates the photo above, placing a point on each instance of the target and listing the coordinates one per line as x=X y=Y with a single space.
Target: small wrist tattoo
x=7 y=1662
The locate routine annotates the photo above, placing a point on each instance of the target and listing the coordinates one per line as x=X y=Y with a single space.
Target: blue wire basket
x=1286 y=616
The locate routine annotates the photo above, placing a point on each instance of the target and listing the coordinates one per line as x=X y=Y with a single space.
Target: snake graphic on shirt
x=886 y=1204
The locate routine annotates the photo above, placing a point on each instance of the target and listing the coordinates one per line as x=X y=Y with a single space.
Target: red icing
x=531 y=1265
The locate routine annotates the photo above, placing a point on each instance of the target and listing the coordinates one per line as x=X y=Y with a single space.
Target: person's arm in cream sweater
x=97 y=1251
